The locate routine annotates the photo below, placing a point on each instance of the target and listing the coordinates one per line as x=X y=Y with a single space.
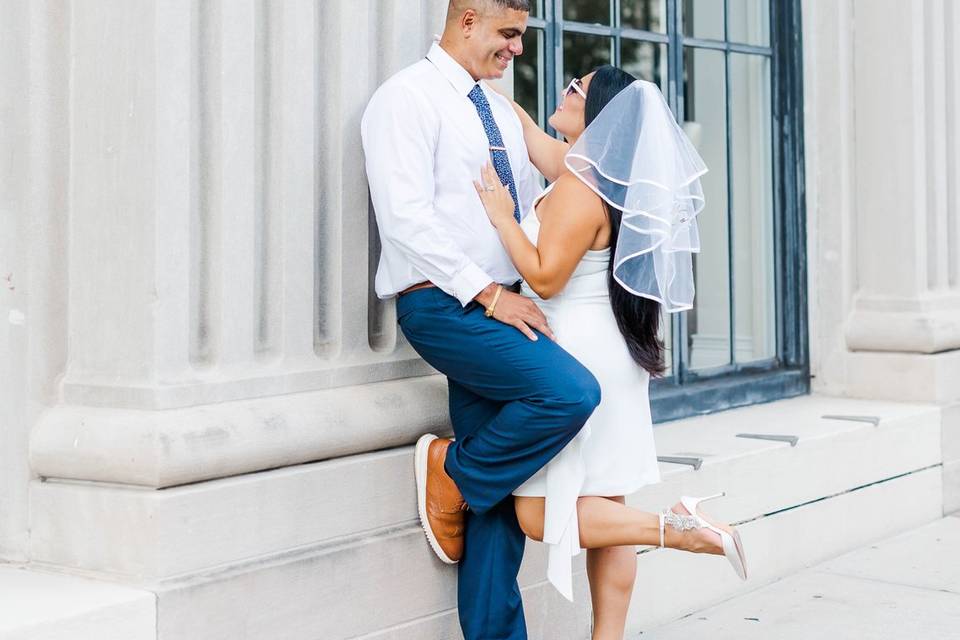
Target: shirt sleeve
x=399 y=138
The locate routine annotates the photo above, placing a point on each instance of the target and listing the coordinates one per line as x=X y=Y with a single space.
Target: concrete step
x=332 y=549
x=37 y=605
x=906 y=586
x=672 y=583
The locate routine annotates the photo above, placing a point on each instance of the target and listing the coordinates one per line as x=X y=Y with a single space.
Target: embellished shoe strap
x=678 y=521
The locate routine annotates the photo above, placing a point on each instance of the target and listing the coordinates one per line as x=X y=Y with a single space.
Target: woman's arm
x=546 y=152
x=566 y=232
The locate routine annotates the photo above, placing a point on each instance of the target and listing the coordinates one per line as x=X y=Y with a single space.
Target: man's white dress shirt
x=424 y=146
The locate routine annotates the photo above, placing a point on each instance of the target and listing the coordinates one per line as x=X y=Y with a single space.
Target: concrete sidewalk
x=907 y=586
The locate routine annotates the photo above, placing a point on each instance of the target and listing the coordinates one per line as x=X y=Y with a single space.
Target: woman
x=606 y=245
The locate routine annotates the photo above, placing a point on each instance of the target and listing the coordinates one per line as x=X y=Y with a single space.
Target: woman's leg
x=606 y=523
x=612 y=572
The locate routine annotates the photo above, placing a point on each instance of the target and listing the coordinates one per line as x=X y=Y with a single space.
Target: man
x=516 y=397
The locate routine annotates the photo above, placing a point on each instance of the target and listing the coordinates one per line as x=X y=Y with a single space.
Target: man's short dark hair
x=517 y=5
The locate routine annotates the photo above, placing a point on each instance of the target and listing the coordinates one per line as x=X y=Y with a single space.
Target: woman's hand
x=495 y=197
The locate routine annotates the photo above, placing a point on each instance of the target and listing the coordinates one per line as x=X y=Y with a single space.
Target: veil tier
x=636 y=157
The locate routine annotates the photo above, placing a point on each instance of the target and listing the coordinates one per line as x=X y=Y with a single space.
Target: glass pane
x=752 y=201
x=645 y=60
x=665 y=333
x=535 y=11
x=649 y=15
x=749 y=21
x=705 y=122
x=703 y=19
x=528 y=75
x=589 y=11
x=583 y=53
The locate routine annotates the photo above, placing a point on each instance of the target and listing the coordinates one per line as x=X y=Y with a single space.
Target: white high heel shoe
x=732 y=547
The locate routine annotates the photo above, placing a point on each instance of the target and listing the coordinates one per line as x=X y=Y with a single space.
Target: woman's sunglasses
x=575 y=85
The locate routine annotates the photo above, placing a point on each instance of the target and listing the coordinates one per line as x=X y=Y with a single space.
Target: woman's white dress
x=614 y=454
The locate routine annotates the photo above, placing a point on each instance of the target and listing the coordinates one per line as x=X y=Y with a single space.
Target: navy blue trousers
x=514 y=404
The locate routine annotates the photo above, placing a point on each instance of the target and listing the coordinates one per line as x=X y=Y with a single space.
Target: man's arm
x=399 y=142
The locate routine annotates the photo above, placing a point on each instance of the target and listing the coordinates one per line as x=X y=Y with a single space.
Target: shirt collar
x=450 y=69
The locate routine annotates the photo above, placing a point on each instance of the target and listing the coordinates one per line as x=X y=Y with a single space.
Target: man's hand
x=517 y=311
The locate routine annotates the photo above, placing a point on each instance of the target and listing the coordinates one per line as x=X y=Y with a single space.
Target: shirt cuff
x=469 y=282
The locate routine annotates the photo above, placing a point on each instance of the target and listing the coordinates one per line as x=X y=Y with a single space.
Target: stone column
x=908 y=302
x=34 y=55
x=902 y=328
x=882 y=91
x=218 y=245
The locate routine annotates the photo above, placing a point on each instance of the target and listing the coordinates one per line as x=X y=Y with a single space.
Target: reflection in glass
x=704 y=95
x=749 y=21
x=752 y=207
x=649 y=15
x=645 y=60
x=589 y=11
x=528 y=75
x=535 y=11
x=703 y=19
x=583 y=53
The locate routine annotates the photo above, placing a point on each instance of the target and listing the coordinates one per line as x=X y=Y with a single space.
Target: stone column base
x=906 y=377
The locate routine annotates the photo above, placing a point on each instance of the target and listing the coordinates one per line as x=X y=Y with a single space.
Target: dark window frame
x=687 y=392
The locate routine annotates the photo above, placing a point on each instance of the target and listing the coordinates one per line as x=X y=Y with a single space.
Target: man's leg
x=487 y=592
x=488 y=595
x=514 y=404
x=546 y=395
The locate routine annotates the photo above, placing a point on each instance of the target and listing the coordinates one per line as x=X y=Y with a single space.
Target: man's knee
x=582 y=395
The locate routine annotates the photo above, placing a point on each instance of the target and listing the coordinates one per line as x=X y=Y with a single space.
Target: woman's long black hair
x=638 y=318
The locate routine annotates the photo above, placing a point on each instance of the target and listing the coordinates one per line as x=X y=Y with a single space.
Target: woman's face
x=569 y=119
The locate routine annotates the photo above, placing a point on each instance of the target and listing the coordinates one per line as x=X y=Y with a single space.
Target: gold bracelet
x=496 y=296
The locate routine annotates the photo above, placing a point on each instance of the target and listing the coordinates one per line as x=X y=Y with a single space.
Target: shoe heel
x=732 y=545
x=690 y=503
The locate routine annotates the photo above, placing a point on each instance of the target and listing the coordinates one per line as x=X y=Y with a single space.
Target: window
x=730 y=70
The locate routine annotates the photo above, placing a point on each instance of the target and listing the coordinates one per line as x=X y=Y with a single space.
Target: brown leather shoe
x=441 y=505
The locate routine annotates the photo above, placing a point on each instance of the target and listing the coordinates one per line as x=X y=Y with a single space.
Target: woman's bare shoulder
x=569 y=193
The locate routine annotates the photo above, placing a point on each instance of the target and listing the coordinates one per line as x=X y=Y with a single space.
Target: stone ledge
x=285 y=553
x=35 y=604
x=199 y=527
x=388 y=585
x=951 y=487
x=179 y=446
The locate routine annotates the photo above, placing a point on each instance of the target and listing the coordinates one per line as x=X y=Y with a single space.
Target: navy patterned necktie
x=501 y=163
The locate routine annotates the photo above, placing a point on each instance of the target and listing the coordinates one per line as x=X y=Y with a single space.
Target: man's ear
x=468 y=22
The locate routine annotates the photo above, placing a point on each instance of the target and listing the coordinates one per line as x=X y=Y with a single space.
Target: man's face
x=494 y=41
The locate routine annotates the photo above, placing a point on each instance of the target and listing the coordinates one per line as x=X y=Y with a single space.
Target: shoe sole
x=740 y=553
x=740 y=570
x=420 y=457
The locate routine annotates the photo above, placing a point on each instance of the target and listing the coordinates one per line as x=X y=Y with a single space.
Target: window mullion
x=731 y=221
x=558 y=61
x=615 y=21
x=675 y=99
